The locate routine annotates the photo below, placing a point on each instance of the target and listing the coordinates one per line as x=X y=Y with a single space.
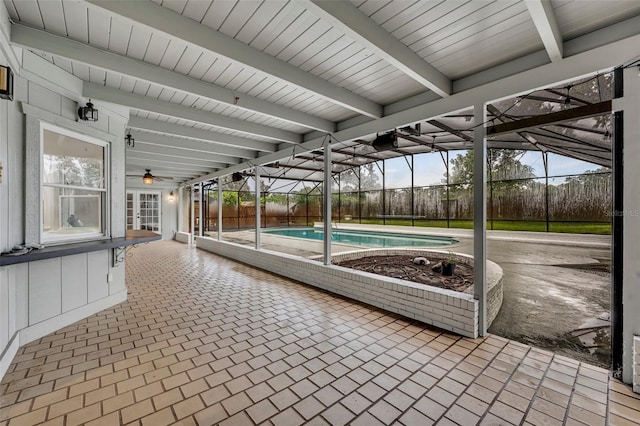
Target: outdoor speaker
x=385 y=141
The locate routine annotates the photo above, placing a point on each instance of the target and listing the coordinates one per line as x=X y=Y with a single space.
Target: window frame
x=105 y=220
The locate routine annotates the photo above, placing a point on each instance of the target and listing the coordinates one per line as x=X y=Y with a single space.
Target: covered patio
x=204 y=340
x=124 y=122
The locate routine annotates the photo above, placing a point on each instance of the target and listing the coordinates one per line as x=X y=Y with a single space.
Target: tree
x=230 y=198
x=367 y=176
x=504 y=169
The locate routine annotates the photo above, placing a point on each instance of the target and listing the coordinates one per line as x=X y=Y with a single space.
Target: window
x=74 y=186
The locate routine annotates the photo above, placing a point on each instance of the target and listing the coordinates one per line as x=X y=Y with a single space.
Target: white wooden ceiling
x=211 y=83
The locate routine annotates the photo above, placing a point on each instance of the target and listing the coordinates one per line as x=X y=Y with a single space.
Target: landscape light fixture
x=6 y=83
x=147 y=179
x=88 y=112
x=130 y=140
x=385 y=141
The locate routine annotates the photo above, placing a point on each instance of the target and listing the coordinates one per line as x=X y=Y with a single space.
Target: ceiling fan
x=148 y=178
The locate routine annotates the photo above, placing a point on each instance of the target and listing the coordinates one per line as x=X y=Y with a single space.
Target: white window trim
x=106 y=219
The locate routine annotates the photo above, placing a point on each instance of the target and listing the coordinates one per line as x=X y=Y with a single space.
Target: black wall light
x=130 y=140
x=6 y=83
x=88 y=112
x=236 y=177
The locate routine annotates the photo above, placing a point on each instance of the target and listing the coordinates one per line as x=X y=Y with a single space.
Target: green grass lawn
x=598 y=228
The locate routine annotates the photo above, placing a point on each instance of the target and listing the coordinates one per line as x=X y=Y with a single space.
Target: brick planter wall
x=446 y=309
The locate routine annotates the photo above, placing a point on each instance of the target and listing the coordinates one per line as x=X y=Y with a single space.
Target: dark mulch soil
x=402 y=267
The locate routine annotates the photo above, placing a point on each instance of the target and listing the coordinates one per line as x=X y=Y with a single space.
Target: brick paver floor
x=204 y=340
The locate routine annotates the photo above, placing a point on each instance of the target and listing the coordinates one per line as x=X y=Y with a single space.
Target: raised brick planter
x=446 y=309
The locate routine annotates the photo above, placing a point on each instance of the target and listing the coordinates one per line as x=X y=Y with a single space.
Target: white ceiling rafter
x=164 y=20
x=607 y=55
x=136 y=164
x=132 y=100
x=350 y=20
x=194 y=133
x=157 y=158
x=544 y=18
x=178 y=152
x=156 y=165
x=63 y=47
x=192 y=144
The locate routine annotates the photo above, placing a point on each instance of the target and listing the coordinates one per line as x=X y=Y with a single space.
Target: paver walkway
x=205 y=340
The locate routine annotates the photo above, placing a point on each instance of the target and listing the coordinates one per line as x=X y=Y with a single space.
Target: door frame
x=136 y=208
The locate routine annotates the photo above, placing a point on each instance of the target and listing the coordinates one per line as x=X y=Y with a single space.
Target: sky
x=430 y=169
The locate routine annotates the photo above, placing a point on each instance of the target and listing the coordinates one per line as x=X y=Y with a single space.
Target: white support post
x=180 y=207
x=220 y=200
x=630 y=214
x=258 y=207
x=480 y=215
x=192 y=201
x=200 y=209
x=327 y=201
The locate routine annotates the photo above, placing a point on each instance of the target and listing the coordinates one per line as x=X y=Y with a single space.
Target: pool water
x=365 y=238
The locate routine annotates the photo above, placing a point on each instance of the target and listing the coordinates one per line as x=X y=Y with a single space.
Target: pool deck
x=309 y=248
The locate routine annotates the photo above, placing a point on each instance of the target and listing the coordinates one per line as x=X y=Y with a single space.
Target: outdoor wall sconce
x=236 y=177
x=130 y=140
x=88 y=112
x=6 y=83
x=171 y=197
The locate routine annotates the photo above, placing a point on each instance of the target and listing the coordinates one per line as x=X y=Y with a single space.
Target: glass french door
x=144 y=211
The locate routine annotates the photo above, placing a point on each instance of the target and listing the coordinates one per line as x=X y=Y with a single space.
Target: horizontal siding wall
x=39 y=297
x=448 y=310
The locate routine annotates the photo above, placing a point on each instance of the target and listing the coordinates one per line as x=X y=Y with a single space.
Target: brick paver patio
x=204 y=340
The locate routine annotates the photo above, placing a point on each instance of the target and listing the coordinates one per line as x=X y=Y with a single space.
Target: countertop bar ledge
x=131 y=238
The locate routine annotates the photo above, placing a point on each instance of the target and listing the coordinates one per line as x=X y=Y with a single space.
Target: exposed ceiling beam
x=152 y=163
x=144 y=150
x=604 y=56
x=458 y=133
x=544 y=19
x=493 y=110
x=133 y=100
x=347 y=18
x=567 y=95
x=183 y=153
x=191 y=144
x=155 y=168
x=159 y=158
x=32 y=38
x=591 y=110
x=205 y=135
x=164 y=20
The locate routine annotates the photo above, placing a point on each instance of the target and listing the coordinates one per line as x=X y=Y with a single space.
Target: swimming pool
x=364 y=238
